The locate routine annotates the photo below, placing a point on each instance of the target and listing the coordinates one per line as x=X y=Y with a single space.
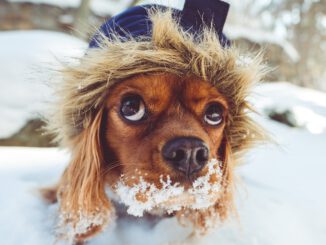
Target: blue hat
x=135 y=22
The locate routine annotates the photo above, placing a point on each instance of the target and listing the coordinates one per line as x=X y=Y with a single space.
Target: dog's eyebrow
x=197 y=99
x=151 y=99
x=130 y=86
x=210 y=98
x=219 y=99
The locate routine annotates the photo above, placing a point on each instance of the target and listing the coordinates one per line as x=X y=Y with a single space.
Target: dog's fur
x=177 y=75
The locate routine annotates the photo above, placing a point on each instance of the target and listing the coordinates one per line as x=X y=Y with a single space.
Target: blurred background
x=292 y=34
x=283 y=198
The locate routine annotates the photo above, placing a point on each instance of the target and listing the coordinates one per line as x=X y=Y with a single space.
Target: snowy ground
x=27 y=60
x=281 y=198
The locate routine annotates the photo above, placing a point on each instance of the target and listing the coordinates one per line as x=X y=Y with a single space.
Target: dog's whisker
x=106 y=171
x=118 y=164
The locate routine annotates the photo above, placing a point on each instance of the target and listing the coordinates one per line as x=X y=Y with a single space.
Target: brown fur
x=177 y=75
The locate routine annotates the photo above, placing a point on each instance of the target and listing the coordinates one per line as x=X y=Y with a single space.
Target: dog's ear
x=224 y=152
x=84 y=205
x=225 y=203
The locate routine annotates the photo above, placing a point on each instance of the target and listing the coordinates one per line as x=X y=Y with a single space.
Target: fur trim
x=171 y=50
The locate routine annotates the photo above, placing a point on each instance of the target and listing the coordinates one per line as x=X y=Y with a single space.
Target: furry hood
x=85 y=86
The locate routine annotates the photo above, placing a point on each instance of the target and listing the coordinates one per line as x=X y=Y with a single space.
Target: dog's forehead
x=158 y=87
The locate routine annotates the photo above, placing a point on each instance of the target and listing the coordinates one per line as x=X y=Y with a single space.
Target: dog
x=157 y=124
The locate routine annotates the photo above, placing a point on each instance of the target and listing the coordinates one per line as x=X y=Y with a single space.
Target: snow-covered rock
x=261 y=37
x=306 y=107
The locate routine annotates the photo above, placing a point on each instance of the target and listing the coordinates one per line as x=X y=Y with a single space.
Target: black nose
x=186 y=154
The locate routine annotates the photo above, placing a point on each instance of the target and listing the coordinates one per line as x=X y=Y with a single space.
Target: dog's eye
x=214 y=114
x=133 y=108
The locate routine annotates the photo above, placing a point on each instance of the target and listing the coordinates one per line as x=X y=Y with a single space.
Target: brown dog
x=146 y=123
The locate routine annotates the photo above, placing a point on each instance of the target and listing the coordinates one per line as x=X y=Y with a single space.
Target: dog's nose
x=186 y=154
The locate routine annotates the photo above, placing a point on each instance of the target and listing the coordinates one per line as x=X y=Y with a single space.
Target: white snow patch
x=283 y=201
x=100 y=7
x=171 y=196
x=59 y=3
x=312 y=121
x=307 y=106
x=28 y=60
x=169 y=3
x=109 y=7
x=84 y=223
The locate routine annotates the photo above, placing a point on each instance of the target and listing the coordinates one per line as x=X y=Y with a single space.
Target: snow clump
x=146 y=197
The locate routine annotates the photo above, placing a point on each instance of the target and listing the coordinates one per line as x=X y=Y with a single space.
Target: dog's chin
x=168 y=196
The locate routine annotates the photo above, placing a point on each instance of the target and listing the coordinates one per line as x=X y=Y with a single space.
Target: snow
x=27 y=59
x=109 y=7
x=103 y=7
x=100 y=7
x=307 y=106
x=113 y=7
x=170 y=3
x=280 y=199
x=68 y=232
x=145 y=197
x=281 y=195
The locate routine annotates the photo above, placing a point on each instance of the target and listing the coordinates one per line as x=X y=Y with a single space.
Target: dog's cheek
x=125 y=142
x=216 y=141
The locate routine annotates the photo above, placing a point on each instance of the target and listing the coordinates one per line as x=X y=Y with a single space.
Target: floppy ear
x=225 y=204
x=84 y=206
x=224 y=152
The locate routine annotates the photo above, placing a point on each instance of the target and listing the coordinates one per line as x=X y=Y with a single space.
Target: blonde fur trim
x=85 y=86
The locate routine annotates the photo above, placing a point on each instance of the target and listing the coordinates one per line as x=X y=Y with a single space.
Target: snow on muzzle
x=171 y=196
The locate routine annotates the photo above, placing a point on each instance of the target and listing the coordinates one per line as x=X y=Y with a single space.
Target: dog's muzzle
x=186 y=154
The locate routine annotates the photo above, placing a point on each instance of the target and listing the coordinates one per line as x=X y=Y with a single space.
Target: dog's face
x=163 y=125
x=159 y=133
x=154 y=125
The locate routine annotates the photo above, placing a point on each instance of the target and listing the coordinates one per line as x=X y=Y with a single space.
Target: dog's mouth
x=145 y=196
